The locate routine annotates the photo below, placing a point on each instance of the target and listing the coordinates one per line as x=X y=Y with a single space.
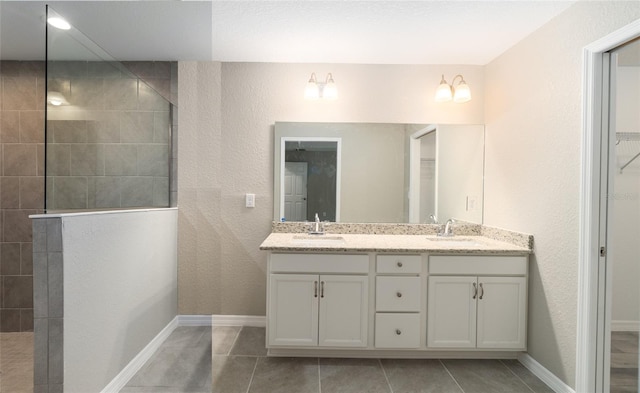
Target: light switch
x=250 y=200
x=472 y=201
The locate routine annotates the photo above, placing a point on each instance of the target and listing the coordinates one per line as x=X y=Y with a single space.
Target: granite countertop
x=338 y=242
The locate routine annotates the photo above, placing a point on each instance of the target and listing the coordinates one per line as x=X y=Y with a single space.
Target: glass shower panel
x=108 y=127
x=624 y=253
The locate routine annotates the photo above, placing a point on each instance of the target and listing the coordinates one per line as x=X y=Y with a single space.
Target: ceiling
x=361 y=32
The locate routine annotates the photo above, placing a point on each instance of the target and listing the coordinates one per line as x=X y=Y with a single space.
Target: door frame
x=283 y=142
x=591 y=270
x=414 y=173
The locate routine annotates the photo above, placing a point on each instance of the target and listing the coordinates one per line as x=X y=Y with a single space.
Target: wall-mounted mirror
x=388 y=173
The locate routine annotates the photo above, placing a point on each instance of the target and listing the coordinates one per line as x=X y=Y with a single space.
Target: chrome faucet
x=433 y=219
x=317 y=227
x=447 y=230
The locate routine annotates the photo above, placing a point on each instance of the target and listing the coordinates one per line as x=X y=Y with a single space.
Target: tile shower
x=87 y=167
x=21 y=186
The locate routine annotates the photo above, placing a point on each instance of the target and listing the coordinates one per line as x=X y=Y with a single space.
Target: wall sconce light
x=446 y=92
x=56 y=99
x=326 y=89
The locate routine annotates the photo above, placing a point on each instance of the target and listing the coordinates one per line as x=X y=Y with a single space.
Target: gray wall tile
x=136 y=127
x=32 y=192
x=87 y=160
x=68 y=131
x=19 y=160
x=40 y=285
x=107 y=191
x=10 y=254
x=121 y=94
x=153 y=160
x=55 y=284
x=10 y=125
x=56 y=348
x=58 y=160
x=19 y=93
x=40 y=351
x=70 y=193
x=32 y=126
x=10 y=192
x=17 y=225
x=9 y=320
x=137 y=191
x=54 y=234
x=17 y=292
x=120 y=160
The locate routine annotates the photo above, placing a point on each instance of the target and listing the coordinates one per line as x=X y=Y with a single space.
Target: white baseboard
x=222 y=320
x=625 y=326
x=239 y=320
x=140 y=359
x=546 y=376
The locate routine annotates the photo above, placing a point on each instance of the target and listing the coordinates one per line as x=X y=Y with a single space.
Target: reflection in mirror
x=385 y=173
x=311 y=173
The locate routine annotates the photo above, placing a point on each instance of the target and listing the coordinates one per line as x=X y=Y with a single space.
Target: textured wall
x=110 y=313
x=21 y=186
x=533 y=131
x=227 y=112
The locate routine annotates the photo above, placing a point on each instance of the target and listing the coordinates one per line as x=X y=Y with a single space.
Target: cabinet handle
x=398 y=332
x=399 y=264
x=481 y=291
x=399 y=294
x=475 y=291
x=321 y=288
x=315 y=289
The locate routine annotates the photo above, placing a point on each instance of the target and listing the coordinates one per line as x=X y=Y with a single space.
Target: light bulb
x=312 y=91
x=330 y=91
x=462 y=93
x=443 y=92
x=58 y=22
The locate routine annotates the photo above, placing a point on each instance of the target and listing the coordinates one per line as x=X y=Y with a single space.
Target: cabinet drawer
x=319 y=263
x=398 y=264
x=478 y=265
x=397 y=330
x=397 y=293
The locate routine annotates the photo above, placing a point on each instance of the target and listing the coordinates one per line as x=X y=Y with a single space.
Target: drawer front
x=478 y=265
x=397 y=293
x=319 y=263
x=397 y=330
x=398 y=264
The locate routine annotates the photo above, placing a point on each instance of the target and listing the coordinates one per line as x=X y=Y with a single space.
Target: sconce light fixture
x=459 y=93
x=326 y=89
x=56 y=99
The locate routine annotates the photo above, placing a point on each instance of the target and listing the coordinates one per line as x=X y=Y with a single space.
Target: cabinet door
x=451 y=313
x=502 y=305
x=344 y=308
x=293 y=309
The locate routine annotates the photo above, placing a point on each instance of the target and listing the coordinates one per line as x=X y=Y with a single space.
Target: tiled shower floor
x=16 y=362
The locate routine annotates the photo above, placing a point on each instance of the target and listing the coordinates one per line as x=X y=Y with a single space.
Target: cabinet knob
x=398 y=332
x=399 y=294
x=399 y=264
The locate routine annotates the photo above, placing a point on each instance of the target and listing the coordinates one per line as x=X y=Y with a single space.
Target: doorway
x=608 y=200
x=623 y=220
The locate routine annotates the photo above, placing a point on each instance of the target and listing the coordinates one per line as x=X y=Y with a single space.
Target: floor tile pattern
x=238 y=364
x=16 y=362
x=624 y=362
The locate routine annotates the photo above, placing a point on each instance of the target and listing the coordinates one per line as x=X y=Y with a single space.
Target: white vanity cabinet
x=398 y=301
x=318 y=300
x=477 y=302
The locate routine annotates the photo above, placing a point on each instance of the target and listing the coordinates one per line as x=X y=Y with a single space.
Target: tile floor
x=236 y=362
x=16 y=362
x=624 y=362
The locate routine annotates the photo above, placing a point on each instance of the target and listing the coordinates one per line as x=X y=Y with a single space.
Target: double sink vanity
x=396 y=290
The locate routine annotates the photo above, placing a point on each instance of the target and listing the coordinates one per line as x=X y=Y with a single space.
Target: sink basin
x=455 y=241
x=318 y=240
